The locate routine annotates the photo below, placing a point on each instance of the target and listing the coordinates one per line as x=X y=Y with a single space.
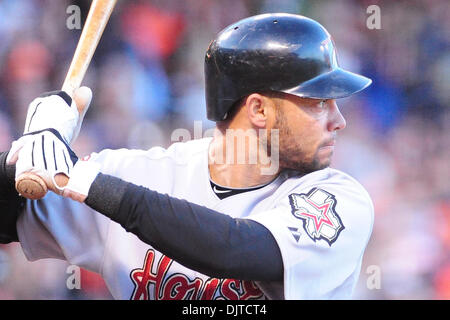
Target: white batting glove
x=59 y=111
x=56 y=110
x=46 y=154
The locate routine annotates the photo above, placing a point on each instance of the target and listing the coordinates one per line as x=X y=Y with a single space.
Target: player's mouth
x=328 y=144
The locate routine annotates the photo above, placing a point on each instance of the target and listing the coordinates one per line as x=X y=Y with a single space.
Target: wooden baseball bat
x=29 y=184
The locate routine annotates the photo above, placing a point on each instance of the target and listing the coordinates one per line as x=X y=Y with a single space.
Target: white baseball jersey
x=321 y=221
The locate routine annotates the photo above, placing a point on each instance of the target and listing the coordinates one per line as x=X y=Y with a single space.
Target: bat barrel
x=96 y=21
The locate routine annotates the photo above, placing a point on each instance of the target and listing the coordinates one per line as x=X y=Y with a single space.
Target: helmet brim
x=335 y=84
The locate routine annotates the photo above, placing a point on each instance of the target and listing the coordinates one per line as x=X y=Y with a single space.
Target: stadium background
x=147 y=78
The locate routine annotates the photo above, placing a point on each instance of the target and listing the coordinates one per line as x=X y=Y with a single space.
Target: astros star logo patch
x=317 y=209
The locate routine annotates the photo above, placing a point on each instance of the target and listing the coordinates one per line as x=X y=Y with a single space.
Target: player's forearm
x=10 y=202
x=197 y=237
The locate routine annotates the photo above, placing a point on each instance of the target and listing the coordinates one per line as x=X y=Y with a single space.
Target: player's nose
x=336 y=120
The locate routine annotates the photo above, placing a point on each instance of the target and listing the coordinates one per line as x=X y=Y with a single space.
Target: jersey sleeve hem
x=272 y=225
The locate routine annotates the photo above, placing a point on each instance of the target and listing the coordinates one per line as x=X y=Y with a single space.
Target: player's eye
x=321 y=104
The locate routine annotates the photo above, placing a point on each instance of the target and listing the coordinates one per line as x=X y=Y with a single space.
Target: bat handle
x=33 y=187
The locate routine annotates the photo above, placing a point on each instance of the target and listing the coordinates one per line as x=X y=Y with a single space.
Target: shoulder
x=331 y=180
x=183 y=152
x=178 y=153
x=327 y=202
x=322 y=223
x=338 y=180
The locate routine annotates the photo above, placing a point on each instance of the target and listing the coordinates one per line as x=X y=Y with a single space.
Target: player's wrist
x=82 y=176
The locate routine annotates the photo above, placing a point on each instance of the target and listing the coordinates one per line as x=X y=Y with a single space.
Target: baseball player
x=209 y=218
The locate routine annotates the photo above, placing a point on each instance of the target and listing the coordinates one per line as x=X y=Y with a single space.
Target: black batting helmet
x=274 y=52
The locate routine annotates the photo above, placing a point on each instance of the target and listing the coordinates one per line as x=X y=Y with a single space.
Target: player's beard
x=291 y=155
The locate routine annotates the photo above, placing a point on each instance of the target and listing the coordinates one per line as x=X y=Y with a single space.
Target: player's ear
x=257 y=107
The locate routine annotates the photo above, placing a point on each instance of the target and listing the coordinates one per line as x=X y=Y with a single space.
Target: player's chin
x=307 y=163
x=323 y=157
x=309 y=166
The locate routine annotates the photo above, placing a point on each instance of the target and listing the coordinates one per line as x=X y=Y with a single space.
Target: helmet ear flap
x=274 y=52
x=229 y=115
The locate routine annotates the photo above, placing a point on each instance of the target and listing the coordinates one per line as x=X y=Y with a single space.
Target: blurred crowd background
x=147 y=79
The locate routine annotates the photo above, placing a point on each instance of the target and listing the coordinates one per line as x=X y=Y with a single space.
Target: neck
x=237 y=160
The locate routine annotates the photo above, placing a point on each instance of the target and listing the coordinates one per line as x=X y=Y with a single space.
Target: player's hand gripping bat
x=29 y=184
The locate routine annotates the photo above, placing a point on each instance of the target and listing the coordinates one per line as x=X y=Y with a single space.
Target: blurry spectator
x=153 y=33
